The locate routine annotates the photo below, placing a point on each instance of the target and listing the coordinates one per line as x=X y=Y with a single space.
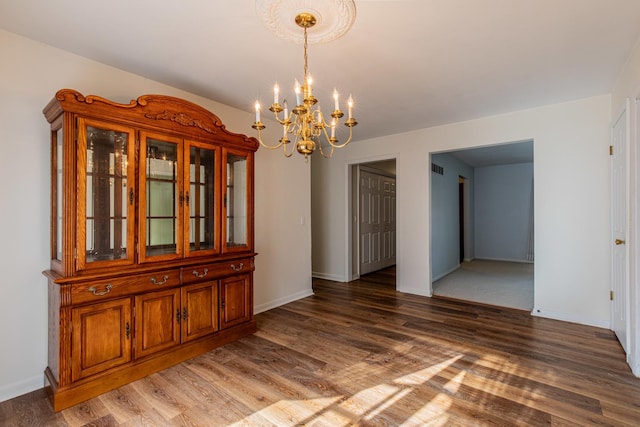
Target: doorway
x=373 y=206
x=482 y=224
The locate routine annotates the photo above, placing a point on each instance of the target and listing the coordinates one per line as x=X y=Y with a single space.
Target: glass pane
x=201 y=199
x=236 y=200
x=58 y=197
x=162 y=202
x=106 y=183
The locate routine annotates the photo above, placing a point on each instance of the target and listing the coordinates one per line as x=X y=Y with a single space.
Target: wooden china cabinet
x=152 y=253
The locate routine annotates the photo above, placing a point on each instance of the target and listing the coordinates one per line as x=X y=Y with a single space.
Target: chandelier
x=305 y=123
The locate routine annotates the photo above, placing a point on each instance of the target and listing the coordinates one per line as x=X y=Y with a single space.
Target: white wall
x=503 y=211
x=445 y=212
x=628 y=86
x=30 y=74
x=571 y=201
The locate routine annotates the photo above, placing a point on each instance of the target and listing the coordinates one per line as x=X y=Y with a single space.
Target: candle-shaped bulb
x=276 y=92
x=285 y=105
x=297 y=90
x=335 y=99
x=257 y=111
x=350 y=104
x=309 y=83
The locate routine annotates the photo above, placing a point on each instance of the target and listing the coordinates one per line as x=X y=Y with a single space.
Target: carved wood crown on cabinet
x=152 y=253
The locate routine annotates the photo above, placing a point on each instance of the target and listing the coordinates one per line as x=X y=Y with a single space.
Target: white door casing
x=619 y=227
x=388 y=221
x=370 y=228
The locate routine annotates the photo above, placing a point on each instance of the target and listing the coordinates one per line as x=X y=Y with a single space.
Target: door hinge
x=611 y=150
x=611 y=295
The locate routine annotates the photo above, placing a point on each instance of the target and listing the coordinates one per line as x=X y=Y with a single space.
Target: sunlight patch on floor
x=433 y=413
x=424 y=375
x=366 y=404
x=292 y=412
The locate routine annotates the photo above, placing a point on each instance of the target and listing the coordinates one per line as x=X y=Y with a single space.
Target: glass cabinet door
x=237 y=216
x=57 y=180
x=202 y=226
x=105 y=194
x=161 y=197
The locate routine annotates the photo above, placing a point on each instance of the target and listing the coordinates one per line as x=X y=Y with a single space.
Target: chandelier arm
x=344 y=144
x=270 y=147
x=284 y=150
x=322 y=151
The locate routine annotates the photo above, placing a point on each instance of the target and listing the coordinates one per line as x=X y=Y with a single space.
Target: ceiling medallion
x=333 y=18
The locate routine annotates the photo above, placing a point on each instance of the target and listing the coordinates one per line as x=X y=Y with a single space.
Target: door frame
x=352 y=264
x=634 y=316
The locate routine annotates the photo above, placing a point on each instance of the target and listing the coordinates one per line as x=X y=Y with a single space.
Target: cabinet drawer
x=96 y=290
x=216 y=270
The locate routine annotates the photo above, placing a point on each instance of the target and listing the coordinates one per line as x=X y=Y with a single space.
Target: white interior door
x=377 y=221
x=619 y=227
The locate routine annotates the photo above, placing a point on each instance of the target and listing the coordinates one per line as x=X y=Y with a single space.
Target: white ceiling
x=409 y=64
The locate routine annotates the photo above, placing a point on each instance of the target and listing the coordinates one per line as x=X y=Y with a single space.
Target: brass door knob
x=620 y=242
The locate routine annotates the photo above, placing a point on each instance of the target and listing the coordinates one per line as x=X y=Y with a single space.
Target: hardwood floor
x=363 y=354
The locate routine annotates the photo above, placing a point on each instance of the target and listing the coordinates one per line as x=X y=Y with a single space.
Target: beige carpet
x=506 y=284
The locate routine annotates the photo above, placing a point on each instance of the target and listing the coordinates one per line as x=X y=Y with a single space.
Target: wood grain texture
x=363 y=354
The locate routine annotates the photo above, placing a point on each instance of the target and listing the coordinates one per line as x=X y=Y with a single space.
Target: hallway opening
x=482 y=224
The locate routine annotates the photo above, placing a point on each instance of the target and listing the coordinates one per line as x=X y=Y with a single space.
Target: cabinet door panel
x=101 y=337
x=161 y=197
x=202 y=175
x=237 y=304
x=238 y=201
x=158 y=316
x=200 y=310
x=105 y=194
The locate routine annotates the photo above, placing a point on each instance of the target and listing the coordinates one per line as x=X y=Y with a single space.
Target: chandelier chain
x=306 y=58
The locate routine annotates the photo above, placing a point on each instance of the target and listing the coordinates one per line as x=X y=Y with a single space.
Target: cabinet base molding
x=80 y=391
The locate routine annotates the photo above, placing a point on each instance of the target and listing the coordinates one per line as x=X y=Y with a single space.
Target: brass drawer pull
x=164 y=280
x=239 y=268
x=94 y=291
x=200 y=276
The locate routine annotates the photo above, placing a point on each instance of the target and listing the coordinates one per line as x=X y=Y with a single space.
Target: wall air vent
x=437 y=169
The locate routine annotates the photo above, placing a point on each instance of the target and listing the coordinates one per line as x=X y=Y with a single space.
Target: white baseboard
x=635 y=366
x=10 y=391
x=440 y=276
x=525 y=261
x=415 y=291
x=332 y=277
x=282 y=301
x=565 y=317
